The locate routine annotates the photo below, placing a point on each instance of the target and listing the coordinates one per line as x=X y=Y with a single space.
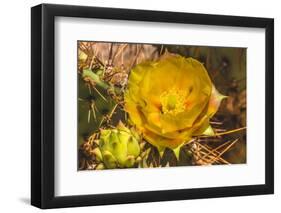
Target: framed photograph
x=140 y=106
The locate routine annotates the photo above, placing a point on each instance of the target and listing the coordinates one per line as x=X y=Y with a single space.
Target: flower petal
x=209 y=131
x=214 y=102
x=160 y=141
x=177 y=152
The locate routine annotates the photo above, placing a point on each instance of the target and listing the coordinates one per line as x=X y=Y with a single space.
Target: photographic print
x=160 y=105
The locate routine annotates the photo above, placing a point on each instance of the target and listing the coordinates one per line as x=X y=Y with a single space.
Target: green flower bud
x=119 y=147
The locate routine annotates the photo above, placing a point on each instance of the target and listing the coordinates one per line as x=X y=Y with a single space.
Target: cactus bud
x=118 y=147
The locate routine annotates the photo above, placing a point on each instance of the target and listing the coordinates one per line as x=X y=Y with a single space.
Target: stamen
x=173 y=101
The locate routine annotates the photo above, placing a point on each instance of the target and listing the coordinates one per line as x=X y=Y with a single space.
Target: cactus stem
x=100 y=94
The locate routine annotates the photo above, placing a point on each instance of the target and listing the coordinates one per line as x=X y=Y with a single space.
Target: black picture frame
x=43 y=102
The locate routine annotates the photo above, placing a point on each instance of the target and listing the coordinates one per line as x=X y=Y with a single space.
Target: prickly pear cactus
x=118 y=148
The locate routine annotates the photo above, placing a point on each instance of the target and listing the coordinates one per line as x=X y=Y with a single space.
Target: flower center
x=173 y=101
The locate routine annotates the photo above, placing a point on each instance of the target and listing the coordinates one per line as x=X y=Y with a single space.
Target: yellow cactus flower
x=171 y=100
